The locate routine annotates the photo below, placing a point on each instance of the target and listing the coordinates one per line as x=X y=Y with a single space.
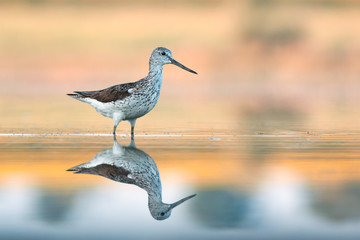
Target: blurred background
x=275 y=59
x=267 y=134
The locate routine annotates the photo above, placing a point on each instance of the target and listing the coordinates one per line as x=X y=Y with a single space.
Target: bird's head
x=161 y=56
x=161 y=211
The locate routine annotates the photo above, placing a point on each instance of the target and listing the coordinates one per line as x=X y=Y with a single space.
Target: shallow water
x=251 y=186
x=258 y=174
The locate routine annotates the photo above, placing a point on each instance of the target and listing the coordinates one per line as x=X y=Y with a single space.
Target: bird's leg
x=114 y=135
x=132 y=123
x=117 y=117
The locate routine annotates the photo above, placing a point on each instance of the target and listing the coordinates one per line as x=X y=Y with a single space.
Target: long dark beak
x=173 y=61
x=181 y=201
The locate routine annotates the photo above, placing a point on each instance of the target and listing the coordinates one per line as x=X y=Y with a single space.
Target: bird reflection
x=128 y=164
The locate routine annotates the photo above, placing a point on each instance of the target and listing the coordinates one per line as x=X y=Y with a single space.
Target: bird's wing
x=109 y=171
x=111 y=94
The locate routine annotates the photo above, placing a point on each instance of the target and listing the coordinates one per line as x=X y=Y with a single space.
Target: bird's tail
x=77 y=96
x=79 y=168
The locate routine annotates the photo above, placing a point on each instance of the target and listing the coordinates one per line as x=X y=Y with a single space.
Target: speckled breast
x=139 y=103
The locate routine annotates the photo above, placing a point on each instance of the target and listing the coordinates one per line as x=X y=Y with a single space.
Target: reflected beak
x=181 y=201
x=173 y=61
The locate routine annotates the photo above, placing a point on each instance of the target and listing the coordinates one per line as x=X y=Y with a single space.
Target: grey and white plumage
x=133 y=166
x=130 y=101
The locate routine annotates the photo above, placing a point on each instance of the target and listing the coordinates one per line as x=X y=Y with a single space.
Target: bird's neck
x=154 y=195
x=154 y=198
x=154 y=78
x=155 y=70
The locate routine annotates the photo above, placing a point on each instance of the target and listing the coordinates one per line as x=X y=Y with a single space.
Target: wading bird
x=130 y=101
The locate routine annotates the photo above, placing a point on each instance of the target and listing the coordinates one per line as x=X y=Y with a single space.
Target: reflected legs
x=132 y=123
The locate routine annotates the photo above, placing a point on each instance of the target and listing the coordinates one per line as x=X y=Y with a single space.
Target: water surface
x=253 y=186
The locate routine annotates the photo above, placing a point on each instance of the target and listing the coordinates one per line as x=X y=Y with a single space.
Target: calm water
x=299 y=185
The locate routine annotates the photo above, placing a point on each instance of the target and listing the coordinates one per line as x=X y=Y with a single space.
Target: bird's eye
x=163 y=53
x=162 y=214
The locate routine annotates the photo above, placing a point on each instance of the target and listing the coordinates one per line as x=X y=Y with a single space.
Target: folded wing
x=111 y=94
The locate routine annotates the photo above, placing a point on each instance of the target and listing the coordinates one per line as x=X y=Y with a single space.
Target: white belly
x=105 y=109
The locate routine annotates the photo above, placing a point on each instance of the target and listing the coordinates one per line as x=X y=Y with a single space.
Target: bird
x=130 y=101
x=128 y=164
